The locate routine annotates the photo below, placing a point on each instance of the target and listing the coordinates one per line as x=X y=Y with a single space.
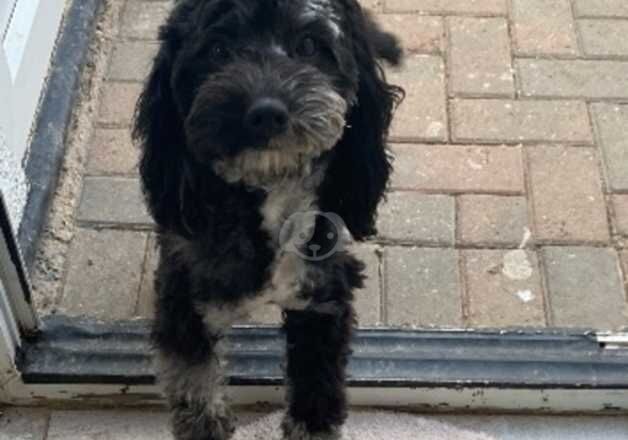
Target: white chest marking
x=289 y=271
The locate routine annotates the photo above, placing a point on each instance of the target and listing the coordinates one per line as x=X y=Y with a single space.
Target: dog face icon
x=298 y=234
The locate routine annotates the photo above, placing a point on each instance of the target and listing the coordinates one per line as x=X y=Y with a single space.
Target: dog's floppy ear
x=360 y=166
x=159 y=130
x=385 y=44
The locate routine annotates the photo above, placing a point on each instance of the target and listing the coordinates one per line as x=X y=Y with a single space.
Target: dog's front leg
x=191 y=367
x=317 y=351
x=195 y=396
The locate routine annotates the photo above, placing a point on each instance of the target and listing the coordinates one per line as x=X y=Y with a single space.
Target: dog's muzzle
x=266 y=117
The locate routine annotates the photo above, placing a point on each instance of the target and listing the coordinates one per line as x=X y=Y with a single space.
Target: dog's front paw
x=191 y=424
x=293 y=430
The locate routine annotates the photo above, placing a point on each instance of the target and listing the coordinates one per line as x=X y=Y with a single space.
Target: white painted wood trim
x=554 y=401
x=6 y=10
x=28 y=46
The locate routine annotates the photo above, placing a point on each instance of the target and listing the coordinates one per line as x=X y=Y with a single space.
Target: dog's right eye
x=218 y=51
x=307 y=47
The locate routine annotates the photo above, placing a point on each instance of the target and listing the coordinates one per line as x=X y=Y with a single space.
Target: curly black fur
x=219 y=190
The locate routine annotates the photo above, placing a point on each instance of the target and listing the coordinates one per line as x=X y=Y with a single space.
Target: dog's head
x=260 y=86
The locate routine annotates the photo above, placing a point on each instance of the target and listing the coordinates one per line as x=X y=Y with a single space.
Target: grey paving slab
x=109 y=425
x=479 y=57
x=448 y=7
x=422 y=287
x=423 y=78
x=117 y=103
x=111 y=151
x=414 y=217
x=544 y=27
x=585 y=287
x=623 y=256
x=593 y=79
x=104 y=273
x=373 y=5
x=620 y=211
x=506 y=121
x=604 y=38
x=132 y=60
x=503 y=288
x=601 y=8
x=417 y=34
x=611 y=126
x=146 y=300
x=458 y=168
x=566 y=192
x=141 y=19
x=113 y=200
x=23 y=424
x=492 y=220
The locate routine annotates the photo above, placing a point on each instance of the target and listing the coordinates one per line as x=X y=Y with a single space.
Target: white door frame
x=6 y=10
x=28 y=32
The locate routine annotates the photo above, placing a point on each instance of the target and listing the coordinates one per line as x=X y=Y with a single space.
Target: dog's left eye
x=218 y=51
x=307 y=47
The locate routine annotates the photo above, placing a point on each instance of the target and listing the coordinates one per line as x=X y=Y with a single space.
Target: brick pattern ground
x=509 y=203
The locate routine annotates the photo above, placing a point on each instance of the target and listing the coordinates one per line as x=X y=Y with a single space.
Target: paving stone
x=423 y=78
x=104 y=273
x=544 y=27
x=117 y=103
x=414 y=217
x=372 y=5
x=113 y=200
x=422 y=287
x=620 y=208
x=111 y=151
x=448 y=7
x=593 y=79
x=567 y=196
x=368 y=301
x=503 y=288
x=479 y=57
x=585 y=287
x=505 y=121
x=418 y=34
x=146 y=300
x=623 y=256
x=132 y=60
x=23 y=424
x=604 y=38
x=109 y=425
x=601 y=8
x=611 y=126
x=492 y=220
x=141 y=19
x=448 y=168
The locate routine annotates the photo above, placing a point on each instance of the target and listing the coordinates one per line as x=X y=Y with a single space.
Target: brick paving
x=509 y=202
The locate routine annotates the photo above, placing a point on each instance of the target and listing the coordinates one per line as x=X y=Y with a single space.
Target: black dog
x=264 y=126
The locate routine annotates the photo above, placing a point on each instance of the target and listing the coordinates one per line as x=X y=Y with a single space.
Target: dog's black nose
x=267 y=117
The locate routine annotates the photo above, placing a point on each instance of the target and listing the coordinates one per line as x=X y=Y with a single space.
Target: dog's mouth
x=285 y=145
